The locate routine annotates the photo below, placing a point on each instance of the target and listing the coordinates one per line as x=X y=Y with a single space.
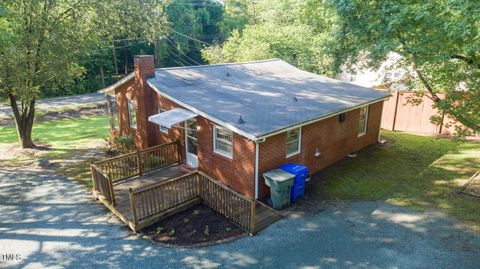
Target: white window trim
x=161 y=110
x=299 y=142
x=366 y=121
x=215 y=150
x=130 y=114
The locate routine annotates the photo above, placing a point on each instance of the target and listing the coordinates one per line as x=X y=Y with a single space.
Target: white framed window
x=223 y=141
x=162 y=128
x=294 y=141
x=363 y=121
x=132 y=115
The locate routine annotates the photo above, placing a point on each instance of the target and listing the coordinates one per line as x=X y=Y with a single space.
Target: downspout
x=257 y=153
x=256 y=170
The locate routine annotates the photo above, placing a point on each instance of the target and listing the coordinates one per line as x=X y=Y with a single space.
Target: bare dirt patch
x=197 y=225
x=13 y=151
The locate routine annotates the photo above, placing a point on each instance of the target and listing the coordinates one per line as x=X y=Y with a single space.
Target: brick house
x=236 y=121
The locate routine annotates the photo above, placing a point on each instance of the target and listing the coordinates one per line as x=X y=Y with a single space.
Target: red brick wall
x=237 y=172
x=143 y=99
x=333 y=139
x=124 y=93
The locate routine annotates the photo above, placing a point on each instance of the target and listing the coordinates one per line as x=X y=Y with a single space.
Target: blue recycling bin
x=301 y=174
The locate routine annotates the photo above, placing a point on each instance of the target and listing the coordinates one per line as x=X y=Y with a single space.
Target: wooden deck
x=166 y=187
x=264 y=215
x=122 y=188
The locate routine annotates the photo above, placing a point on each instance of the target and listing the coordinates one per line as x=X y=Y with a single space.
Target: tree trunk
x=23 y=121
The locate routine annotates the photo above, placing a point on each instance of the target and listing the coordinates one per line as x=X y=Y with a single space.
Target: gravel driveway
x=51 y=222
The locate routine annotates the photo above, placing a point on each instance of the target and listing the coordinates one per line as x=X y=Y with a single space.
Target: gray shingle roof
x=268 y=95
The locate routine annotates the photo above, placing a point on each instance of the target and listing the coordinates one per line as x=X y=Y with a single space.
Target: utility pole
x=109 y=100
x=114 y=58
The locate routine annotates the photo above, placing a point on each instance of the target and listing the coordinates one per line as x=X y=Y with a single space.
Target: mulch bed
x=196 y=226
x=473 y=186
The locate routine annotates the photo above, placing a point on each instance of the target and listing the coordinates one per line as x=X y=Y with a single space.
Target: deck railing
x=102 y=184
x=159 y=200
x=227 y=202
x=139 y=162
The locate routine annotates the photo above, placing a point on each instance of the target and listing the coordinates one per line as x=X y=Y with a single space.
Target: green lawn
x=415 y=171
x=71 y=142
x=60 y=132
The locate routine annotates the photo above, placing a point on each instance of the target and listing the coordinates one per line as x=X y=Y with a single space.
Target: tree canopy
x=43 y=42
x=439 y=43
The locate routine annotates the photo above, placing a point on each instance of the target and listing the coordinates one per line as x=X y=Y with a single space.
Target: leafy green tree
x=194 y=24
x=42 y=42
x=439 y=41
x=236 y=16
x=296 y=31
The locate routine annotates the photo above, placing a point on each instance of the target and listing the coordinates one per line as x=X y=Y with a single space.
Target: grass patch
x=72 y=142
x=59 y=132
x=415 y=171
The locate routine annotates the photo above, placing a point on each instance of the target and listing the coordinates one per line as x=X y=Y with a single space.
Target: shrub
x=154 y=162
x=125 y=143
x=206 y=232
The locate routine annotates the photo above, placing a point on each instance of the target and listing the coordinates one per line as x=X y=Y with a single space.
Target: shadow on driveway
x=53 y=222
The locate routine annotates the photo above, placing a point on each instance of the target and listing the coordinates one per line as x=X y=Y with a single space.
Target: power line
x=192 y=38
x=182 y=61
x=170 y=41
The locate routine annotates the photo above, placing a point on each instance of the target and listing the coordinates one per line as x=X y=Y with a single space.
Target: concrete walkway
x=60 y=102
x=50 y=222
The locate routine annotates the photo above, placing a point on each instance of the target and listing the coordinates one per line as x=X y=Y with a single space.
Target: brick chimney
x=143 y=66
x=146 y=105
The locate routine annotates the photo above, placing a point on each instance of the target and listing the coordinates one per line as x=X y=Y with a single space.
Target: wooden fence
x=139 y=162
x=401 y=115
x=157 y=201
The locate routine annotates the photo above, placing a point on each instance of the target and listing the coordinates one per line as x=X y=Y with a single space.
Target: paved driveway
x=60 y=102
x=52 y=222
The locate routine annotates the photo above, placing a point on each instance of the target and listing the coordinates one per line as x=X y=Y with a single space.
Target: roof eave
x=110 y=90
x=263 y=136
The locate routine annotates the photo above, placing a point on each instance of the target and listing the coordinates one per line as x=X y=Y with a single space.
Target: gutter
x=264 y=136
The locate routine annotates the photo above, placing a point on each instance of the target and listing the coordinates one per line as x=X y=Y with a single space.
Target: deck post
x=177 y=148
x=112 y=192
x=139 y=163
x=197 y=183
x=94 y=180
x=132 y=206
x=251 y=228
